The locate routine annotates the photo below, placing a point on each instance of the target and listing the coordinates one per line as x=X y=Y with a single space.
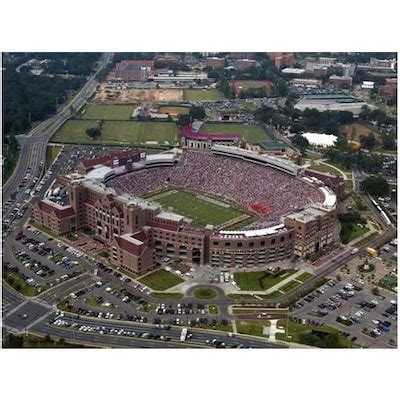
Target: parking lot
x=366 y=319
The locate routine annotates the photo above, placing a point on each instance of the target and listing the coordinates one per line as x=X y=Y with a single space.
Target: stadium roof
x=99 y=172
x=256 y=232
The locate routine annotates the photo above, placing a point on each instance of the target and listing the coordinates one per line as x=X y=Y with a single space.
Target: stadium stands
x=258 y=188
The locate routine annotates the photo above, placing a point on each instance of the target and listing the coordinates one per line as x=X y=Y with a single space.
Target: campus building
x=215 y=62
x=138 y=233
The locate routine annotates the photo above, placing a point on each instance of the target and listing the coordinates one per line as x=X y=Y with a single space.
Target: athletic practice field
x=118 y=132
x=251 y=133
x=200 y=209
x=108 y=111
x=202 y=95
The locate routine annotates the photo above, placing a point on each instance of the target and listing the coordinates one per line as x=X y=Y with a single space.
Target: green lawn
x=118 y=132
x=204 y=294
x=108 y=112
x=326 y=169
x=289 y=286
x=201 y=211
x=202 y=95
x=260 y=280
x=357 y=231
x=160 y=280
x=167 y=295
x=252 y=327
x=51 y=154
x=213 y=309
x=250 y=133
x=319 y=336
x=304 y=276
x=389 y=282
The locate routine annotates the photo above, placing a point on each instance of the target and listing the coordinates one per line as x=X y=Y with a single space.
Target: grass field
x=304 y=276
x=252 y=327
x=118 y=132
x=201 y=211
x=167 y=295
x=202 y=95
x=174 y=110
x=360 y=130
x=204 y=294
x=289 y=286
x=161 y=280
x=357 y=231
x=260 y=280
x=51 y=154
x=299 y=333
x=251 y=133
x=325 y=168
x=108 y=111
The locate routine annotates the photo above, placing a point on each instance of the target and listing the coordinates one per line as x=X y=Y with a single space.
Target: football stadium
x=210 y=202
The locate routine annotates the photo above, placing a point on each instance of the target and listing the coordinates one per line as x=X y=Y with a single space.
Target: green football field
x=250 y=133
x=108 y=111
x=202 y=95
x=201 y=211
x=118 y=132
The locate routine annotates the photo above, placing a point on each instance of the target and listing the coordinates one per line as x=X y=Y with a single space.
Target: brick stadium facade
x=138 y=233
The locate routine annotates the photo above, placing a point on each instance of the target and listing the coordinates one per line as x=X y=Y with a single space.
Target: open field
x=260 y=280
x=202 y=95
x=118 y=132
x=109 y=95
x=201 y=211
x=360 y=130
x=161 y=280
x=251 y=133
x=107 y=111
x=174 y=110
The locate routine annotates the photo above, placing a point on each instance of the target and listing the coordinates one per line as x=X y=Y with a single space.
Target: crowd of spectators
x=254 y=187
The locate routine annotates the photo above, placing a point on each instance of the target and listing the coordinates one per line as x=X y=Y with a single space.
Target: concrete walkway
x=272 y=330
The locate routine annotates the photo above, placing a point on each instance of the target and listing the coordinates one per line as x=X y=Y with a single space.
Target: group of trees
x=95 y=131
x=376 y=116
x=348 y=222
x=375 y=185
x=368 y=162
x=29 y=98
x=328 y=122
x=253 y=93
x=224 y=86
x=195 y=113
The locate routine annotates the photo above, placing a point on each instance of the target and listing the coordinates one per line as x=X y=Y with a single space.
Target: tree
x=94 y=132
x=300 y=141
x=368 y=142
x=183 y=119
x=197 y=112
x=375 y=185
x=388 y=142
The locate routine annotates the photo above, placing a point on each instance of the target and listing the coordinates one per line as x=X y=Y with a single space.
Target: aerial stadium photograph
x=199 y=200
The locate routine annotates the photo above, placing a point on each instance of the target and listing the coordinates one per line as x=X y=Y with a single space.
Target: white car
x=375 y=321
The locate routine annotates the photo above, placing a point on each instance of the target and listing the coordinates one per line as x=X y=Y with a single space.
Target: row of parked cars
x=181 y=309
x=103 y=330
x=35 y=266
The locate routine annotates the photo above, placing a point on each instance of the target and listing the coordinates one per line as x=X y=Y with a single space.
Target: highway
x=34 y=143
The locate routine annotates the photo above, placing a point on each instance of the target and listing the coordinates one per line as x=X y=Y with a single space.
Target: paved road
x=34 y=143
